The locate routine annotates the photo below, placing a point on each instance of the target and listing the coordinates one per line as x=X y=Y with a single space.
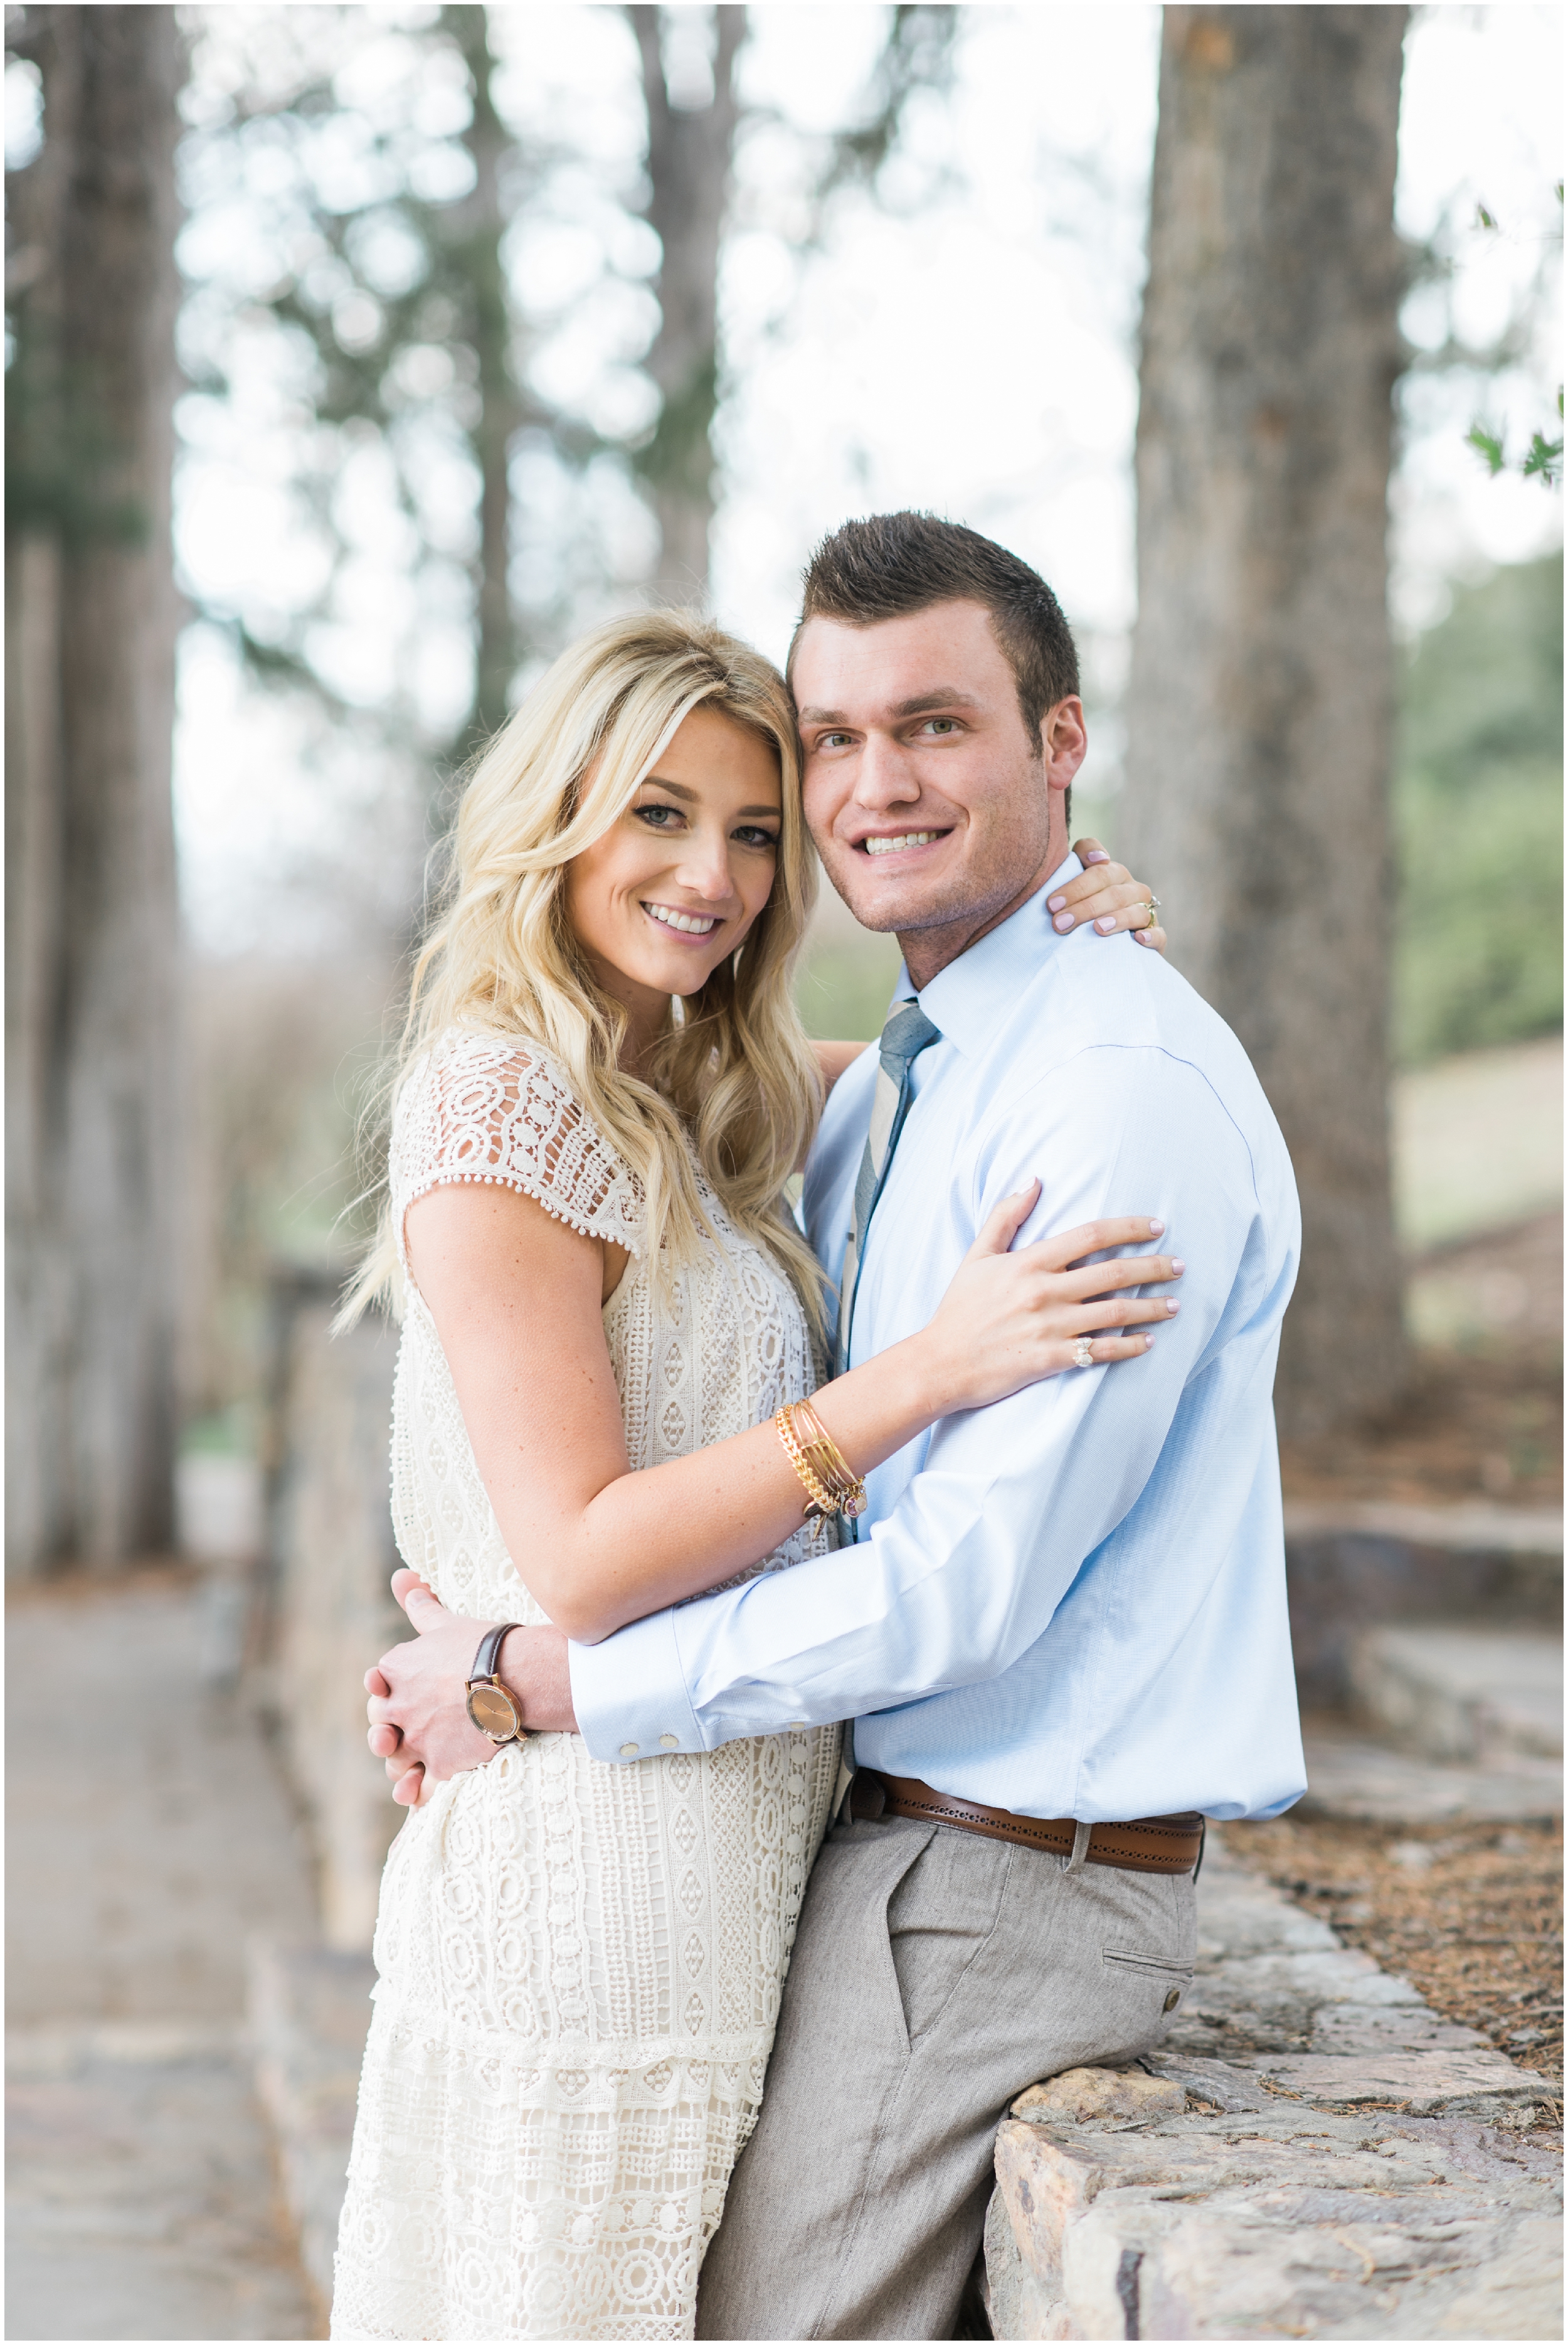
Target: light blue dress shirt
x=1071 y=1603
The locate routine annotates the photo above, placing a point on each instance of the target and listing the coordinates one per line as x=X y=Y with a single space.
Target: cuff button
x=629 y=1749
x=1173 y=1998
x=669 y=1743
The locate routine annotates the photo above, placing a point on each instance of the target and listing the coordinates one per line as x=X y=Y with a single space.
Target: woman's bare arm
x=516 y=1299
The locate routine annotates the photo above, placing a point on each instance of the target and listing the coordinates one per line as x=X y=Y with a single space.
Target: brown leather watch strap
x=1149 y=1845
x=487 y=1660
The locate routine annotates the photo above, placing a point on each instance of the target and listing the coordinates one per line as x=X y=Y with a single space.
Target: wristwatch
x=490 y=1705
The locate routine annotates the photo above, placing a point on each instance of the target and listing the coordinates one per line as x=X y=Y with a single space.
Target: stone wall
x=329 y=1610
x=1312 y=2153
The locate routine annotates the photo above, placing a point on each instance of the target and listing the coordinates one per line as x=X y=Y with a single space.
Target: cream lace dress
x=579 y=1965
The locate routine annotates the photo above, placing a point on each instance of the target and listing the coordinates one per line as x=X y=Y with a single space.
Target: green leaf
x=1545 y=461
x=1483 y=219
x=1488 y=446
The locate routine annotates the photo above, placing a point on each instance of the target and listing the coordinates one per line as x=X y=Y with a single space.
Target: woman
x=610 y=1326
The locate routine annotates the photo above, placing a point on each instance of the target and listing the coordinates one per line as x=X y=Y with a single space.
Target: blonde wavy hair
x=733 y=1078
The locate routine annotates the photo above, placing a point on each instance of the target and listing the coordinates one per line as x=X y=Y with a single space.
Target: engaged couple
x=832 y=1634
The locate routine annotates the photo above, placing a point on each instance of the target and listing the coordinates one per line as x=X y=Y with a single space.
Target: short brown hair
x=893 y=563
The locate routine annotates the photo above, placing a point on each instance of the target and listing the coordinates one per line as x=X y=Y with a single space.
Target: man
x=1069 y=1639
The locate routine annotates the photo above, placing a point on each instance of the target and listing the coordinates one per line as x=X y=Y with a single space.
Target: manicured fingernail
x=1055 y=903
x=1063 y=922
x=1106 y=925
x=1096 y=854
x=1149 y=1343
x=1176 y=1265
x=1171 y=1304
x=1156 y=1228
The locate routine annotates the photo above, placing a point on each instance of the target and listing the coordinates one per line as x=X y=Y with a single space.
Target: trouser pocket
x=1160 y=1980
x=943 y=1912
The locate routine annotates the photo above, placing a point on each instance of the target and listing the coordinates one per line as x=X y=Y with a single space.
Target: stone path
x=1313 y=2153
x=149 y=1836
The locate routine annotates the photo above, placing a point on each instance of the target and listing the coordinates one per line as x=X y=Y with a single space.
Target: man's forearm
x=535 y=1670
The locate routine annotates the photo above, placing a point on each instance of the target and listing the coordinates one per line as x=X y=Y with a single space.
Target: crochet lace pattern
x=579 y=1965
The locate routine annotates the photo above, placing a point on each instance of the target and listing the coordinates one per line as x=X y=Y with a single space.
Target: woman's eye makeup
x=658 y=815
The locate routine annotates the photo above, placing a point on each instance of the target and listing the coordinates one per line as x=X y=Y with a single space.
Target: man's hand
x=418 y=1708
x=418 y=1711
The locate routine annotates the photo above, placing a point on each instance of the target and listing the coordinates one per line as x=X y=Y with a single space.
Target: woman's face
x=672 y=889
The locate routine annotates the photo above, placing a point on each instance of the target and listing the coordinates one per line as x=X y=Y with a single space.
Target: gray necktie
x=907 y=1033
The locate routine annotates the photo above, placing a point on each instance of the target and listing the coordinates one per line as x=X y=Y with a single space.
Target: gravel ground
x=1471 y=1914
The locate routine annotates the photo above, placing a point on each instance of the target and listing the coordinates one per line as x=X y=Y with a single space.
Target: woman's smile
x=696 y=925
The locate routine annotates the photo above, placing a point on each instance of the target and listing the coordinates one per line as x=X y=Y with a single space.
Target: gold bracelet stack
x=831 y=1485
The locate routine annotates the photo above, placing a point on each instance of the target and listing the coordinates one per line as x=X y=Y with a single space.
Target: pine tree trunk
x=481 y=227
x=1261 y=702
x=689 y=156
x=91 y=931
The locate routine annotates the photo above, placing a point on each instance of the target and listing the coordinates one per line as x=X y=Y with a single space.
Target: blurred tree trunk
x=690 y=154
x=476 y=245
x=1260 y=701
x=92 y=928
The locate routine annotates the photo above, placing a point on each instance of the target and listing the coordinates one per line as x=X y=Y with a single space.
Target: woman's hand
x=1009 y=1319
x=418 y=1711
x=1107 y=897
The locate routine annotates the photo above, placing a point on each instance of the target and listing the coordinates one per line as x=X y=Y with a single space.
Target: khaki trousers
x=935 y=1976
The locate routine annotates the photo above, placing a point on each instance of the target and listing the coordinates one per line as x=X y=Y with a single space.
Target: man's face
x=933 y=810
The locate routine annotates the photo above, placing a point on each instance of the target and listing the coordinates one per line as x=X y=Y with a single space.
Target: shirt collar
x=968 y=997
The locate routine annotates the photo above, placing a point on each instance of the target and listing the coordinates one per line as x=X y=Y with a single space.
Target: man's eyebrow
x=946 y=695
x=692 y=797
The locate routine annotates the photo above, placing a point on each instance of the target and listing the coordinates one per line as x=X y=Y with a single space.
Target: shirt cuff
x=629 y=1694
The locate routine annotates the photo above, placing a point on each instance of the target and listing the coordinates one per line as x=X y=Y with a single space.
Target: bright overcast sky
x=968 y=347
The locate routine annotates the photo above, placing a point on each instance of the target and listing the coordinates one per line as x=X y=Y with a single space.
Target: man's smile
x=901 y=842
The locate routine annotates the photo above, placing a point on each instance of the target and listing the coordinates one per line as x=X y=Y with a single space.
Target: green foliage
x=1479 y=822
x=1542 y=460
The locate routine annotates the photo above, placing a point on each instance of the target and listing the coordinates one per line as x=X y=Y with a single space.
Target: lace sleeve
x=481 y=1109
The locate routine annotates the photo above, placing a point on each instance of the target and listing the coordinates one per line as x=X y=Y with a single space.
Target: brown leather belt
x=1150 y=1844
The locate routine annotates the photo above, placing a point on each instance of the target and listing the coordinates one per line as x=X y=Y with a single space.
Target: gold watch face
x=494 y=1711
